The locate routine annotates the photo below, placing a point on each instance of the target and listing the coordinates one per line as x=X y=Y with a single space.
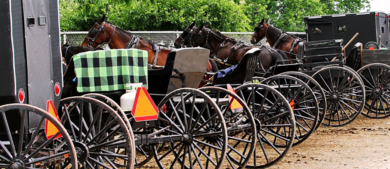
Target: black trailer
x=373 y=28
x=31 y=82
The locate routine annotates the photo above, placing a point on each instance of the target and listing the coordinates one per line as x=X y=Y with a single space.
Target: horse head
x=184 y=39
x=260 y=31
x=100 y=33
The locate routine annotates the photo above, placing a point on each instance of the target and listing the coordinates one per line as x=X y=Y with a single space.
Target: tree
x=288 y=14
x=223 y=15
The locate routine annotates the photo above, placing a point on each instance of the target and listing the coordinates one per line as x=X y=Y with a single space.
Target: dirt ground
x=365 y=143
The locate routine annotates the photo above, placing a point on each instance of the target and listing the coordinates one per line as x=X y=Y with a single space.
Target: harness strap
x=133 y=42
x=278 y=41
x=295 y=43
x=157 y=50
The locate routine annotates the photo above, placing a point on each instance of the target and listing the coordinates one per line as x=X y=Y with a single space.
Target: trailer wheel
x=274 y=120
x=100 y=136
x=318 y=91
x=376 y=78
x=303 y=102
x=196 y=128
x=240 y=125
x=21 y=149
x=345 y=94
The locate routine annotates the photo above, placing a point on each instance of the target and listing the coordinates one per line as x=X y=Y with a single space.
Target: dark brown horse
x=276 y=38
x=68 y=51
x=103 y=32
x=227 y=50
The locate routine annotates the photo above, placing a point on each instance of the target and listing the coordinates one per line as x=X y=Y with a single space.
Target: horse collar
x=279 y=39
x=66 y=55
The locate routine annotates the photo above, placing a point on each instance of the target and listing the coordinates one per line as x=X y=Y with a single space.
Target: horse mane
x=275 y=34
x=220 y=34
x=129 y=33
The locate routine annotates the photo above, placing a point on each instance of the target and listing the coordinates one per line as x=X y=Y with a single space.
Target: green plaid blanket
x=110 y=70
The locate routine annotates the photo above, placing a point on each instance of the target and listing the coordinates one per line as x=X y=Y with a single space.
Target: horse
x=227 y=50
x=104 y=32
x=276 y=38
x=68 y=51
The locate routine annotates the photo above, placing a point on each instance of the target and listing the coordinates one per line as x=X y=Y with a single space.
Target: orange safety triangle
x=144 y=108
x=235 y=106
x=50 y=128
x=292 y=104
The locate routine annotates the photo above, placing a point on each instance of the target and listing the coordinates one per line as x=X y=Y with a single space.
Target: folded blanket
x=110 y=70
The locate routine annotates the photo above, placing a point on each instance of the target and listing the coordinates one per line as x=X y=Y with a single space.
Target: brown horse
x=227 y=50
x=276 y=38
x=103 y=32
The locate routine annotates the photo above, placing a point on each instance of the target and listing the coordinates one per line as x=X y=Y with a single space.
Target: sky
x=380 y=5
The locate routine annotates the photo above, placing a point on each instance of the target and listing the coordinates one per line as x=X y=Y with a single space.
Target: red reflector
x=57 y=89
x=376 y=14
x=371 y=48
x=21 y=95
x=388 y=16
x=292 y=103
x=164 y=108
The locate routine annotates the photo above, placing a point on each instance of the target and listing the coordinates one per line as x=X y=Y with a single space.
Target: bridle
x=182 y=40
x=259 y=29
x=95 y=31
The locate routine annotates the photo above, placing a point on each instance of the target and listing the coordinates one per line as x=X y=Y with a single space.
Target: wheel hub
x=377 y=90
x=81 y=151
x=17 y=165
x=187 y=138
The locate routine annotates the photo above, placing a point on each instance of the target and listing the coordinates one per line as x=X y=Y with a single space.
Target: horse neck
x=272 y=34
x=119 y=39
x=215 y=43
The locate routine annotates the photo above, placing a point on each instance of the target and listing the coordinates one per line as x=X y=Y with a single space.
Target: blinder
x=95 y=32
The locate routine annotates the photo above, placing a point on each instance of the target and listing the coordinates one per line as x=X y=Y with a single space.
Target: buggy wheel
x=345 y=94
x=197 y=130
x=125 y=118
x=100 y=136
x=21 y=149
x=274 y=120
x=240 y=125
x=303 y=102
x=318 y=91
x=257 y=79
x=376 y=78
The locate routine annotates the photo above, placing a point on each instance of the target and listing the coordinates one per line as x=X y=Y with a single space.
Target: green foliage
x=223 y=15
x=156 y=15
x=288 y=14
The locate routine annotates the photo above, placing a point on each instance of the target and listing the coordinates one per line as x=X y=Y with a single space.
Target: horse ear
x=201 y=27
x=103 y=18
x=266 y=21
x=192 y=25
x=262 y=21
